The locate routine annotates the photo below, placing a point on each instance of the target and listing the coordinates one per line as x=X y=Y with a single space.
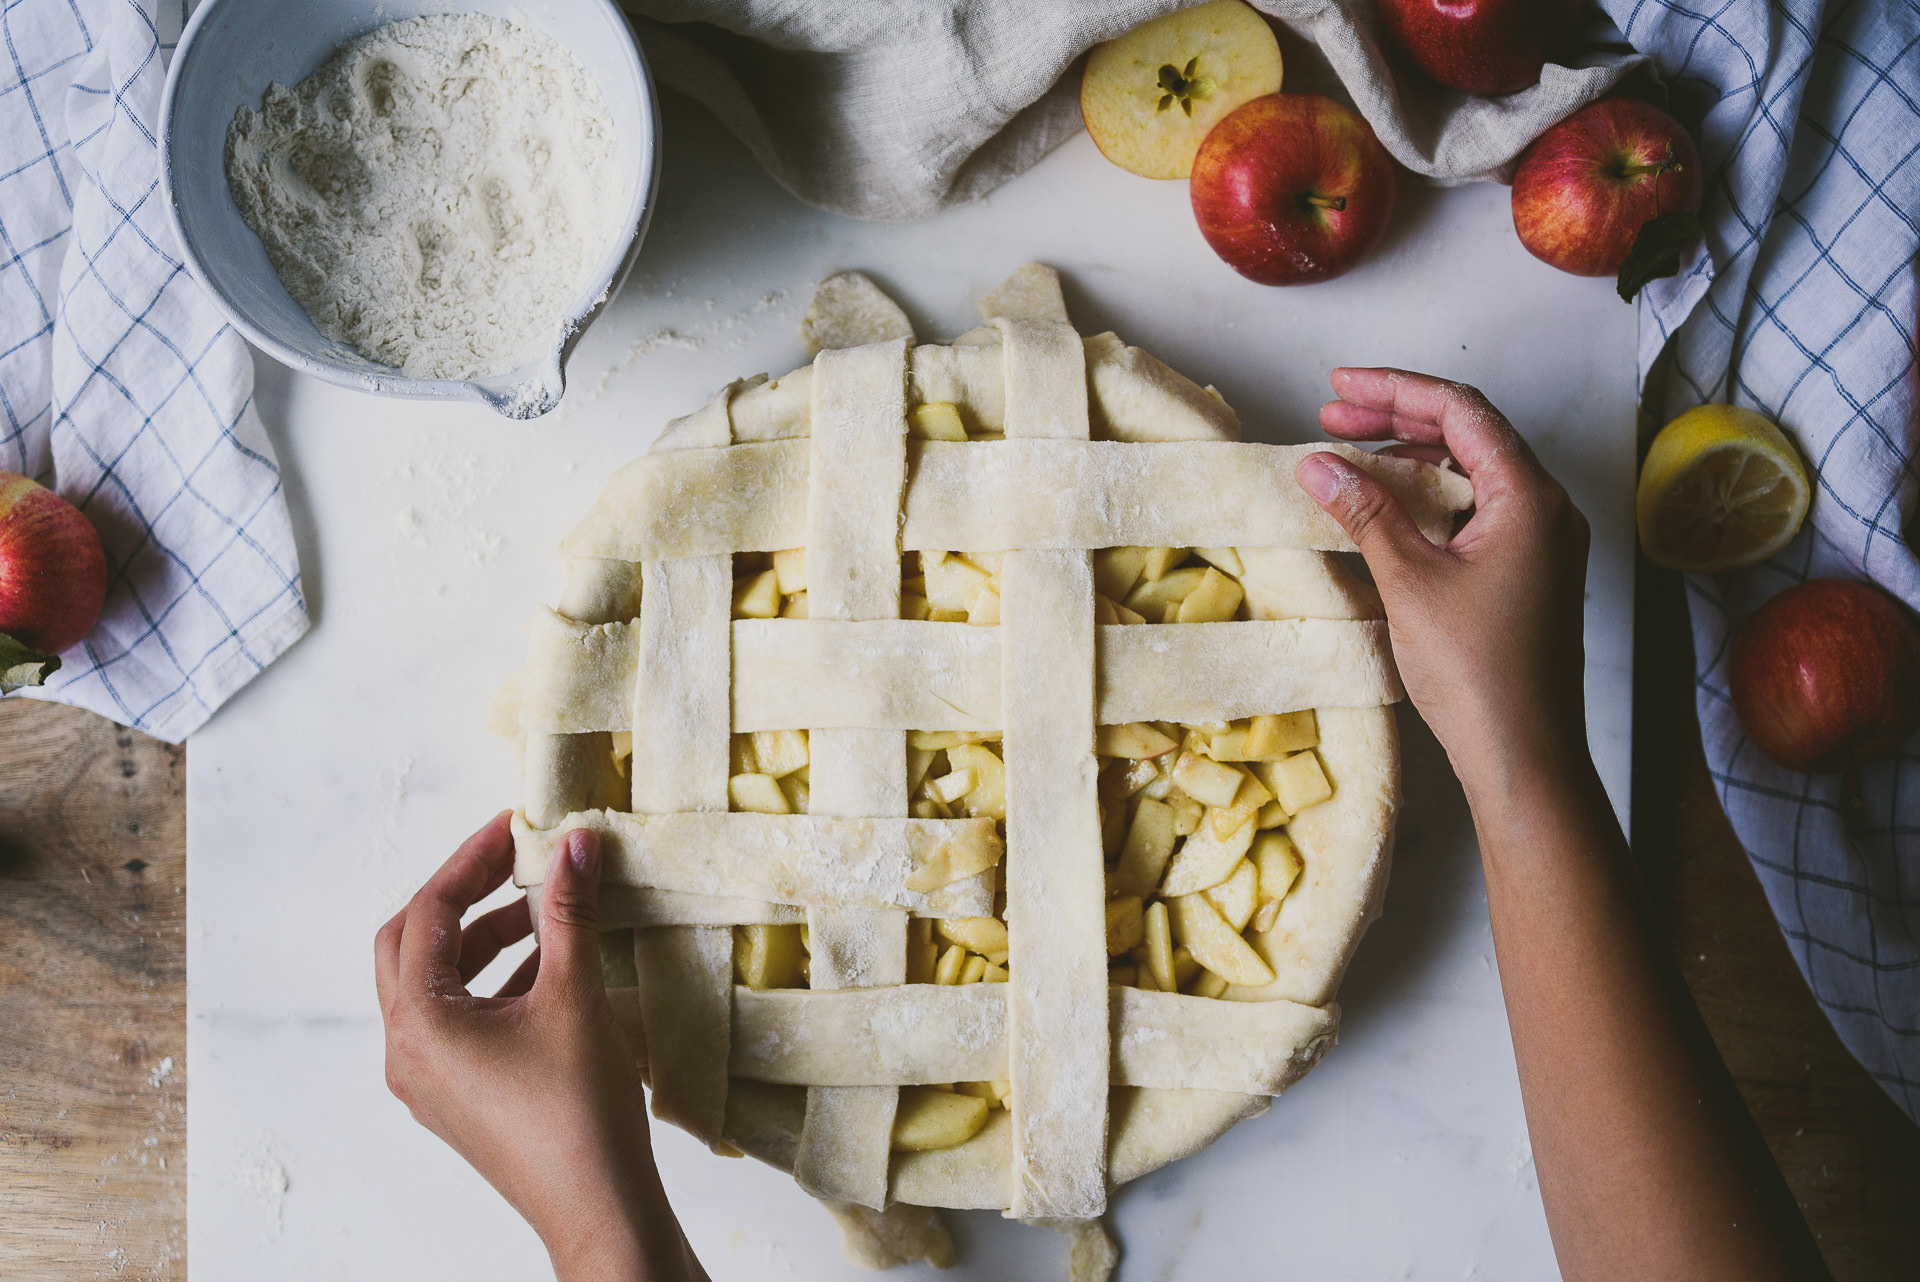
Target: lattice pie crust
x=1067 y=446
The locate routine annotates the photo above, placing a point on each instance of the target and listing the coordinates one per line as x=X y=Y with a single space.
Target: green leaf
x=22 y=665
x=1657 y=249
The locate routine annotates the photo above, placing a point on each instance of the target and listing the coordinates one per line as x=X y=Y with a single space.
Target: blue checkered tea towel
x=1808 y=114
x=122 y=387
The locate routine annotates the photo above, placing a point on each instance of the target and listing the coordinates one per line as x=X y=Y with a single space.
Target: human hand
x=534 y=1086
x=1487 y=629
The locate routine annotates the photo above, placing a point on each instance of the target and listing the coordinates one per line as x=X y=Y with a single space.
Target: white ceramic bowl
x=229 y=53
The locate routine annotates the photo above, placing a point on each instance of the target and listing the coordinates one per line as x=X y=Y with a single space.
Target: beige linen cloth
x=894 y=109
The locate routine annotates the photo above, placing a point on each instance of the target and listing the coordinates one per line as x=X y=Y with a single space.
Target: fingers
x=570 y=916
x=386 y=960
x=430 y=939
x=1378 y=403
x=483 y=938
x=1380 y=525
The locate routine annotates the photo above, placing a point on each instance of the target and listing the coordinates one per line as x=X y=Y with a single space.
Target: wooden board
x=92 y=992
x=93 y=1083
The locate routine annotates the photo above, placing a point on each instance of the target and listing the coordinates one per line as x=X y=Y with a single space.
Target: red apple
x=1481 y=46
x=53 y=571
x=1826 y=675
x=1586 y=186
x=1292 y=188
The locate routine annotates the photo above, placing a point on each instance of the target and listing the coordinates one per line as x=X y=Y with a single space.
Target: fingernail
x=1317 y=477
x=583 y=849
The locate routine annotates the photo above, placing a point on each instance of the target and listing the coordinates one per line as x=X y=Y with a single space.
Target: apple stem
x=1335 y=203
x=1667 y=163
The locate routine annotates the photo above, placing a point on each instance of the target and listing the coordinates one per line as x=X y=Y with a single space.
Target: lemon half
x=1722 y=488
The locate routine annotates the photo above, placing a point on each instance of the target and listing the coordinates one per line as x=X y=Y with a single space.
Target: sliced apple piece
x=1126 y=924
x=1136 y=741
x=923 y=953
x=1188 y=814
x=953 y=583
x=1209 y=782
x=796 y=607
x=914 y=606
x=1205 y=860
x=757 y=597
x=1105 y=612
x=1238 y=895
x=1246 y=805
x=952 y=962
x=740 y=758
x=1125 y=616
x=919 y=766
x=1116 y=570
x=949 y=788
x=985 y=935
x=996 y=972
x=1209 y=985
x=1157 y=940
x=1215 y=599
x=1226 y=558
x=1195 y=922
x=1125 y=778
x=928 y=1118
x=790 y=567
x=939 y=740
x=1185 y=968
x=780 y=752
x=975 y=970
x=1300 y=782
x=1159 y=562
x=1153 y=597
x=799 y=795
x=936 y=421
x=988 y=796
x=757 y=794
x=1272 y=815
x=1270 y=738
x=1143 y=857
x=984 y=611
x=1150 y=96
x=1278 y=863
x=769 y=956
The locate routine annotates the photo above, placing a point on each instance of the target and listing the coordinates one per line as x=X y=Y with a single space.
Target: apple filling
x=1193 y=817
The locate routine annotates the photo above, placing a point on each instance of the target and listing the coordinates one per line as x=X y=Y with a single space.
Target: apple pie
x=993 y=768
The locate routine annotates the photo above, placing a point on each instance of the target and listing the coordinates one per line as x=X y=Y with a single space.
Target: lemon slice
x=1722 y=488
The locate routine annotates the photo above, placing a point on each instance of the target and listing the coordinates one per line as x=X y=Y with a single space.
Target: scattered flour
x=435 y=194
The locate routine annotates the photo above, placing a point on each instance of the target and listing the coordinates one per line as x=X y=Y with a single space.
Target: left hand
x=535 y=1086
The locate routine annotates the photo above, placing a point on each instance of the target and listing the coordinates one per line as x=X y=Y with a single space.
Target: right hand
x=1487 y=629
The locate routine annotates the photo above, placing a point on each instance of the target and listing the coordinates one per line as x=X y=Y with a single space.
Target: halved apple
x=1151 y=95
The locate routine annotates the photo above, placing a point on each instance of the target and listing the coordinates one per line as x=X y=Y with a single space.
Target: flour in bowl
x=436 y=193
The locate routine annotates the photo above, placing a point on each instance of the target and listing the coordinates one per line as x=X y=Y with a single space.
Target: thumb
x=1370 y=513
x=570 y=915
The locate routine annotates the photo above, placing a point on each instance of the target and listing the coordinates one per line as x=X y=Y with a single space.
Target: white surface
x=328 y=790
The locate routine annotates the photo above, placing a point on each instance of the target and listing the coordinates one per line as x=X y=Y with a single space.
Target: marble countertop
x=325 y=793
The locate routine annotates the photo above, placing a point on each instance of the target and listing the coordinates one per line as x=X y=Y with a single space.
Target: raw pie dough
x=1091 y=444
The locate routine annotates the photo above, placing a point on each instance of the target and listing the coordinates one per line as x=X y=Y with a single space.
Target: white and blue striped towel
x=121 y=385
x=1808 y=113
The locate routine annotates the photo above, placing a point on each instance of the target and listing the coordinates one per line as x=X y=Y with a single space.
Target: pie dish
x=994 y=768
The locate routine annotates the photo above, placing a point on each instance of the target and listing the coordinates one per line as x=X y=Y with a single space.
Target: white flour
x=435 y=193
